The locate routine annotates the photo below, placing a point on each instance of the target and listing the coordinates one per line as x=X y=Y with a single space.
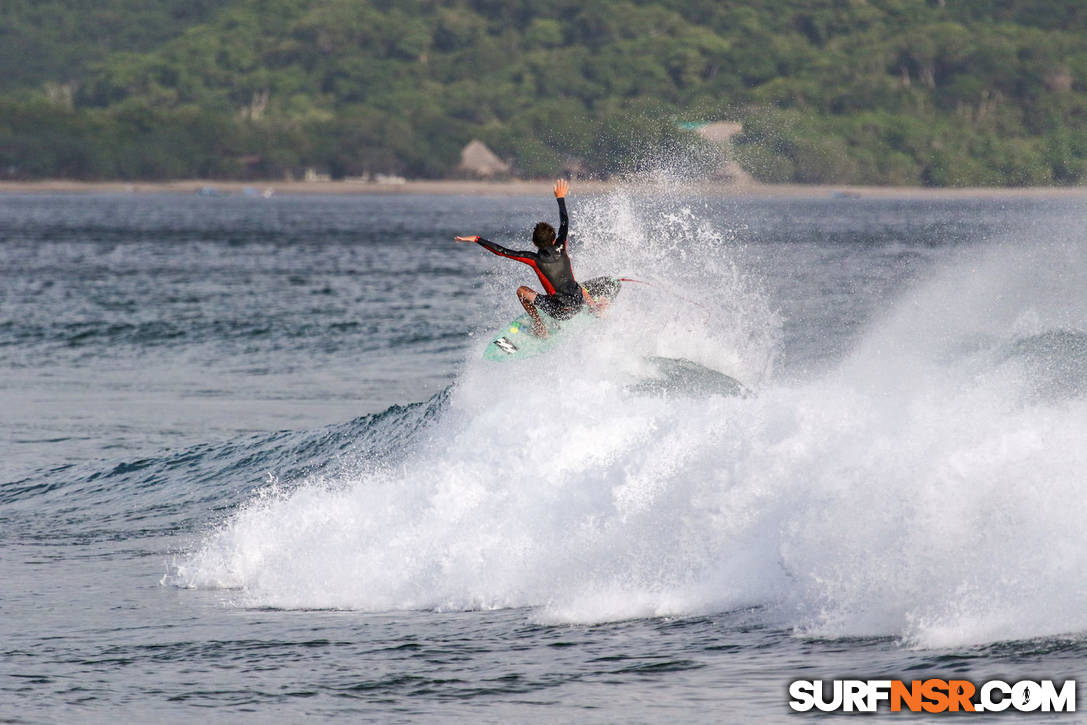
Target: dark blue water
x=254 y=469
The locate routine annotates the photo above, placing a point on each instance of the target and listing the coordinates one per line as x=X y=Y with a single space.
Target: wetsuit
x=552 y=266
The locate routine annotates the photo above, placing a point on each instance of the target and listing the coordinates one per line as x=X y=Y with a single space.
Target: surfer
x=551 y=262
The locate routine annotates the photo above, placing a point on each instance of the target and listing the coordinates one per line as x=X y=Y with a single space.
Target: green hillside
x=934 y=92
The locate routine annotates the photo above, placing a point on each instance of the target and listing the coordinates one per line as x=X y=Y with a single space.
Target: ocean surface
x=254 y=469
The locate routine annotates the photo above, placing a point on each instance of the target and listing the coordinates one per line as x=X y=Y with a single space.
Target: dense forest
x=932 y=92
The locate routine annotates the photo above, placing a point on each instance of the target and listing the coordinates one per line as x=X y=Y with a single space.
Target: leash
x=666 y=291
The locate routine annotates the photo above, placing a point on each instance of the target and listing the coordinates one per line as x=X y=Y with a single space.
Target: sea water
x=254 y=468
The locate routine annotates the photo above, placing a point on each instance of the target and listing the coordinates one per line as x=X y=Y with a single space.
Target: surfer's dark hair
x=543 y=235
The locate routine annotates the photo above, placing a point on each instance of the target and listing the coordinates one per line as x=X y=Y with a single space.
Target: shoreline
x=530 y=188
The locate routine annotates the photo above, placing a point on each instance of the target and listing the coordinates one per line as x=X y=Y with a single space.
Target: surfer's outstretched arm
x=528 y=258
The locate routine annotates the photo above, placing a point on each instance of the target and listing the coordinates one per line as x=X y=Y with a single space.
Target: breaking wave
x=927 y=487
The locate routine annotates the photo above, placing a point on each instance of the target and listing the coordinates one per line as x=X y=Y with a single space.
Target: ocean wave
x=919 y=489
x=177 y=491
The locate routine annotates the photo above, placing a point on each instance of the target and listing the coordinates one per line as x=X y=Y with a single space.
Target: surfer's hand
x=561 y=187
x=466 y=239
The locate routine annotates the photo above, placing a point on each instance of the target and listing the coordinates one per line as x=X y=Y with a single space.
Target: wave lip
x=1053 y=362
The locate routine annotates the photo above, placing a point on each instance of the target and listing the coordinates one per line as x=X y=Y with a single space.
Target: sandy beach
x=523 y=188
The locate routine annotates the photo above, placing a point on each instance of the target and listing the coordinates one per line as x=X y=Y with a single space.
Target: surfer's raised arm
x=562 y=188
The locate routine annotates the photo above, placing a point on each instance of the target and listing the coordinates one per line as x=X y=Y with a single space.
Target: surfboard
x=517 y=341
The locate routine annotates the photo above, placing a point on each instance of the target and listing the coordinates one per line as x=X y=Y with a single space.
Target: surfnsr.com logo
x=932 y=695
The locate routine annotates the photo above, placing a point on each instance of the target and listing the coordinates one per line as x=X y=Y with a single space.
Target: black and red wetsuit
x=552 y=266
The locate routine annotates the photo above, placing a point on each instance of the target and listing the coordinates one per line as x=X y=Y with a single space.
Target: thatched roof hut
x=721 y=133
x=477 y=159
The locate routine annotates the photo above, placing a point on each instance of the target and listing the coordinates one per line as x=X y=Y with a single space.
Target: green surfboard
x=517 y=341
